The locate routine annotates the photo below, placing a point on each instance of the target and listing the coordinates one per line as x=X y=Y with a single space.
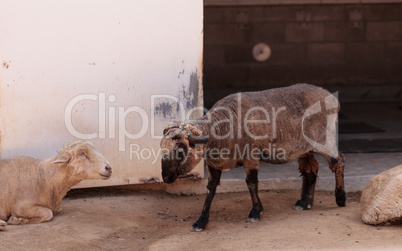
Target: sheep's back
x=294 y=101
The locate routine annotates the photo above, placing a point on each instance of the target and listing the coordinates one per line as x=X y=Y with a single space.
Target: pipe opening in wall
x=261 y=52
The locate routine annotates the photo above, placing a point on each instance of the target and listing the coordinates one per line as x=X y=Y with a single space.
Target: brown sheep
x=273 y=126
x=381 y=200
x=32 y=189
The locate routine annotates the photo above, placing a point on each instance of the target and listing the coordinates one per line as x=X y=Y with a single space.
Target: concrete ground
x=385 y=115
x=122 y=219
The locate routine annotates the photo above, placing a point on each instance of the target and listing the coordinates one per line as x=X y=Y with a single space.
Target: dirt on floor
x=120 y=219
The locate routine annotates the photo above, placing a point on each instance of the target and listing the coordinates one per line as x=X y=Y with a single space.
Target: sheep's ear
x=197 y=140
x=62 y=159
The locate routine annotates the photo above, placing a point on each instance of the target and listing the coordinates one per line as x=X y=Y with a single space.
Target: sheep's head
x=83 y=161
x=182 y=150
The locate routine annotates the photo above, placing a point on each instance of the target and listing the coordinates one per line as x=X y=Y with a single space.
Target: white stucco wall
x=99 y=59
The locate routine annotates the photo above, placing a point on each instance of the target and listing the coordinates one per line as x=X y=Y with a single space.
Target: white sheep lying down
x=381 y=200
x=31 y=190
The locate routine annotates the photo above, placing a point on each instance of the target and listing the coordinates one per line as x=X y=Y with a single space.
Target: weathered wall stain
x=188 y=96
x=192 y=98
x=163 y=108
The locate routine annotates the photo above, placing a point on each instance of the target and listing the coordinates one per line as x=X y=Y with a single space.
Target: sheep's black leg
x=337 y=166
x=308 y=167
x=214 y=177
x=252 y=184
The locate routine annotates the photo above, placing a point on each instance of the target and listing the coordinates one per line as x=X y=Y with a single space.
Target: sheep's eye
x=83 y=154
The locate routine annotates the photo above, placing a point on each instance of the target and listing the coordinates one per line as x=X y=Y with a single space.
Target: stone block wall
x=356 y=49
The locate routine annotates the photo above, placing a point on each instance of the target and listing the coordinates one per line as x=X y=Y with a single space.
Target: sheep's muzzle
x=107 y=173
x=167 y=176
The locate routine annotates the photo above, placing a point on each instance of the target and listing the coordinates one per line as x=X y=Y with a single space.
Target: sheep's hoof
x=254 y=215
x=196 y=229
x=302 y=205
x=252 y=220
x=2 y=225
x=15 y=221
x=340 y=196
x=199 y=225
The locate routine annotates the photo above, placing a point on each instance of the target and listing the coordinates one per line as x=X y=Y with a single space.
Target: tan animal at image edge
x=381 y=200
x=32 y=189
